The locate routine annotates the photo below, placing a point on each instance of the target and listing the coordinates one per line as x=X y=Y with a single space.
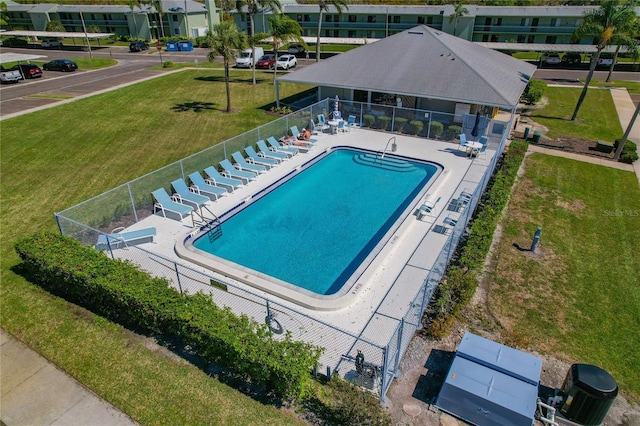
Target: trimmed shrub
x=124 y=294
x=415 y=127
x=167 y=64
x=383 y=122
x=534 y=91
x=453 y=131
x=629 y=152
x=400 y=122
x=368 y=120
x=436 y=129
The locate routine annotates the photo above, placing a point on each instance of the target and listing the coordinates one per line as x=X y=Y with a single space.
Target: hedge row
x=461 y=279
x=124 y=294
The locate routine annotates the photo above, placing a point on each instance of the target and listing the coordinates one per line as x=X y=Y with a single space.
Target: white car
x=286 y=61
x=51 y=43
x=550 y=58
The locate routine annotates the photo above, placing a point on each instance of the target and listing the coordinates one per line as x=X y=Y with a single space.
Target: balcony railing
x=518 y=29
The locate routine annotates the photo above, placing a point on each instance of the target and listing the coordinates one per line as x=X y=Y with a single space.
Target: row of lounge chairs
x=186 y=199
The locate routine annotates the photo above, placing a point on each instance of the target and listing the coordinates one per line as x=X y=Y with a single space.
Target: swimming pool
x=312 y=232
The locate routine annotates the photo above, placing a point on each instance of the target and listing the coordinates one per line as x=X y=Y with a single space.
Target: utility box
x=536 y=136
x=589 y=392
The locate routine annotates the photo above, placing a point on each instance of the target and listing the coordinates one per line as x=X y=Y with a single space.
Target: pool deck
x=392 y=281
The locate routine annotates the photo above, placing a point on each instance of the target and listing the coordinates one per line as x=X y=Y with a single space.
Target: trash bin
x=186 y=46
x=526 y=132
x=536 y=136
x=172 y=46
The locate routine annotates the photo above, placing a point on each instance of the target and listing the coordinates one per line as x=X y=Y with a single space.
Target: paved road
x=133 y=67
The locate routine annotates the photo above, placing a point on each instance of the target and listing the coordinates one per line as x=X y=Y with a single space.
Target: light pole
x=84 y=28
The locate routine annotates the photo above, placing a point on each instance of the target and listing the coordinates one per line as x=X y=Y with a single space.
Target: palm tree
x=458 y=12
x=3 y=12
x=132 y=5
x=225 y=40
x=608 y=24
x=157 y=4
x=634 y=32
x=324 y=6
x=253 y=7
x=283 y=30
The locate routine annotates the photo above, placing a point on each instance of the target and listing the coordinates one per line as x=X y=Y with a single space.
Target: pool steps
x=375 y=160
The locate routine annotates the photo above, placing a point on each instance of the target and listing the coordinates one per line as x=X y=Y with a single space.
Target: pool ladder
x=212 y=226
x=393 y=146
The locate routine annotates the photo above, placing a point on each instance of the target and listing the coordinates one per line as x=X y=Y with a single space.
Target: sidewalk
x=35 y=392
x=625 y=108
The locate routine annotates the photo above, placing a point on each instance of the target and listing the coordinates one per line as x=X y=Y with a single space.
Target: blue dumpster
x=172 y=46
x=186 y=46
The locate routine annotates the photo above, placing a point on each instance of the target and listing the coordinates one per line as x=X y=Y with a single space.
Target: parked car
x=550 y=58
x=15 y=42
x=28 y=70
x=295 y=48
x=572 y=59
x=9 y=76
x=60 y=65
x=51 y=42
x=286 y=61
x=266 y=62
x=605 y=60
x=138 y=46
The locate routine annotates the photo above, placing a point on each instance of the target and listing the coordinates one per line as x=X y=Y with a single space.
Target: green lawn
x=579 y=299
x=597 y=119
x=76 y=155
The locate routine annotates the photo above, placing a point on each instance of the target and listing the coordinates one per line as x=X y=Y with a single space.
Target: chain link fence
x=371 y=358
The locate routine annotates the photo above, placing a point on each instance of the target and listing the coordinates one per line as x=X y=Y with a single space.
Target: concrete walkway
x=35 y=392
x=625 y=108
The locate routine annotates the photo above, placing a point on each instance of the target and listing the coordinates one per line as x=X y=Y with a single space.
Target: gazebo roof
x=426 y=63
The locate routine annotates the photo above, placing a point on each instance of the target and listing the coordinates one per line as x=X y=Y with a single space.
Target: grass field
x=76 y=155
x=597 y=119
x=579 y=299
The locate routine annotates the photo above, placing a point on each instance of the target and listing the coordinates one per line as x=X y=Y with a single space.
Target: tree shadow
x=195 y=106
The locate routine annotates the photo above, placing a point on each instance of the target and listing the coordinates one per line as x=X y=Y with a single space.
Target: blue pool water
x=315 y=229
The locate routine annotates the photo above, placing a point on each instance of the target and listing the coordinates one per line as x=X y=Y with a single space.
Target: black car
x=60 y=65
x=28 y=70
x=138 y=46
x=573 y=59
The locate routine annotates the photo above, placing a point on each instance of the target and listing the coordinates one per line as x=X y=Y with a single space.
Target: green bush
x=416 y=127
x=629 y=152
x=368 y=120
x=400 y=122
x=453 y=131
x=383 y=122
x=436 y=129
x=122 y=293
x=534 y=91
x=460 y=280
x=167 y=64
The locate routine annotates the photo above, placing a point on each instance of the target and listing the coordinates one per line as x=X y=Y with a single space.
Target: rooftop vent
x=416 y=32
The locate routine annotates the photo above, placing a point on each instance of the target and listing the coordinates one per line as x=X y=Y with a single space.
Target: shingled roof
x=427 y=63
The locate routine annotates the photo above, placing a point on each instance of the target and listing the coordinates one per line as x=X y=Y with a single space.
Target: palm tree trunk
x=613 y=63
x=161 y=25
x=592 y=67
x=253 y=49
x=318 y=38
x=226 y=82
x=626 y=134
x=455 y=24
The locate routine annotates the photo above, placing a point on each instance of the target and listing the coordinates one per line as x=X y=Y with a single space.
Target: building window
x=396 y=19
x=420 y=19
x=555 y=22
x=176 y=31
x=353 y=18
x=524 y=22
x=93 y=17
x=108 y=17
x=351 y=34
x=307 y=18
x=429 y=20
x=328 y=18
x=299 y=18
x=531 y=39
x=494 y=38
x=551 y=39
x=485 y=37
x=497 y=21
x=336 y=33
x=174 y=18
x=371 y=18
x=521 y=39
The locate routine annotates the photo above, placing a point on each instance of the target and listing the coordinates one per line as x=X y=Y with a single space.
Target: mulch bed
x=569 y=144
